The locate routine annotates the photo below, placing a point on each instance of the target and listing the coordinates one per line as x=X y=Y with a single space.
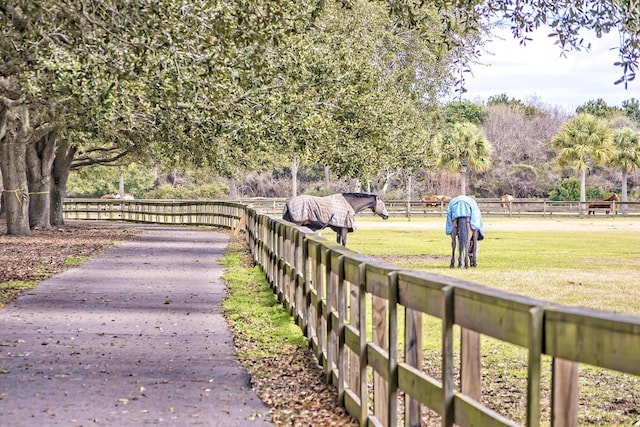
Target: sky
x=537 y=71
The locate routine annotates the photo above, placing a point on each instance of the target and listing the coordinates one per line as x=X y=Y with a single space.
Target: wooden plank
x=470 y=372
x=421 y=291
x=496 y=314
x=607 y=340
x=564 y=393
x=413 y=357
x=420 y=387
x=362 y=353
x=352 y=404
x=377 y=282
x=354 y=323
x=380 y=340
x=378 y=359
x=448 y=413
x=470 y=413
x=534 y=366
x=392 y=382
x=240 y=225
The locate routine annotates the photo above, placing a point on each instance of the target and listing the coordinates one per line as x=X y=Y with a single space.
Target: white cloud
x=538 y=71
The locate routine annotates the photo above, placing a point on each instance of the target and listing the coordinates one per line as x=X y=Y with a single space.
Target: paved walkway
x=133 y=337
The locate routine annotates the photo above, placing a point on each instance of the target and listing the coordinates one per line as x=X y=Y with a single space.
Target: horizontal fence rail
x=489 y=207
x=333 y=294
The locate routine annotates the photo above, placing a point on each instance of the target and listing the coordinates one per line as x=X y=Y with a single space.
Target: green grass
x=261 y=325
x=8 y=290
x=585 y=267
x=75 y=260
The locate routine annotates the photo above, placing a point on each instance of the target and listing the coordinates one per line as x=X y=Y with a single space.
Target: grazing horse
x=603 y=204
x=506 y=200
x=337 y=211
x=464 y=222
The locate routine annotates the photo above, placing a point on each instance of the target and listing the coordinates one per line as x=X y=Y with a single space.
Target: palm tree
x=464 y=148
x=583 y=142
x=626 y=157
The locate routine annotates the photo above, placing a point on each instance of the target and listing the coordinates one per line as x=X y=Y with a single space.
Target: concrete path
x=134 y=337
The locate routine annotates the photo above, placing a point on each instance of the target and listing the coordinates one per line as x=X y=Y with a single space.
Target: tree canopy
x=236 y=85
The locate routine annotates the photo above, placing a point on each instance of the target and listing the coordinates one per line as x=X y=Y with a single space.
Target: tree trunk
x=233 y=191
x=409 y=186
x=14 y=178
x=464 y=171
x=624 y=191
x=583 y=192
x=463 y=183
x=121 y=187
x=60 y=173
x=294 y=177
x=327 y=177
x=39 y=164
x=3 y=212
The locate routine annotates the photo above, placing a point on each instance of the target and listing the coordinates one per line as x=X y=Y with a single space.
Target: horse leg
x=473 y=248
x=454 y=233
x=461 y=239
x=341 y=236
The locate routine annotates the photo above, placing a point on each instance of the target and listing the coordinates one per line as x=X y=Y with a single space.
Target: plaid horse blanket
x=321 y=212
x=465 y=206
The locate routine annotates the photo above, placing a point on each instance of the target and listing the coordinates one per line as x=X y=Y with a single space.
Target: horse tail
x=463 y=233
x=463 y=238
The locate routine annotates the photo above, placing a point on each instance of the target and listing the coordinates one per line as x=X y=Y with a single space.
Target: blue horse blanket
x=465 y=206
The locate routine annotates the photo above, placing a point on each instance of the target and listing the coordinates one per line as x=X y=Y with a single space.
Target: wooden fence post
x=564 y=394
x=413 y=357
x=470 y=375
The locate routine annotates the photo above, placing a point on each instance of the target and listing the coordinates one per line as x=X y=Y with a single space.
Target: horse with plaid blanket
x=337 y=211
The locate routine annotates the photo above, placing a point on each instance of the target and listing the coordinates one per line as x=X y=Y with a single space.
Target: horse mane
x=359 y=195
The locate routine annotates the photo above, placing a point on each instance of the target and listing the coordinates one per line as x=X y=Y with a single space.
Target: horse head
x=380 y=209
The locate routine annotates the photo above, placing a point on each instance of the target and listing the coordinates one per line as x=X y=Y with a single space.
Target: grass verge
x=272 y=348
x=9 y=290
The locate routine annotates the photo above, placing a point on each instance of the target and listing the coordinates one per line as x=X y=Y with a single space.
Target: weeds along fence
x=364 y=321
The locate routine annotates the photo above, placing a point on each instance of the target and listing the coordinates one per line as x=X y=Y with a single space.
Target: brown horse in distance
x=506 y=200
x=603 y=204
x=434 y=201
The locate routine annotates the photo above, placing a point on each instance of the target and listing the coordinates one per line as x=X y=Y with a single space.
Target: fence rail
x=334 y=293
x=489 y=207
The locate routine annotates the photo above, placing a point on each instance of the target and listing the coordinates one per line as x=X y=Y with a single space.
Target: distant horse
x=603 y=204
x=117 y=197
x=464 y=223
x=506 y=200
x=435 y=200
x=337 y=211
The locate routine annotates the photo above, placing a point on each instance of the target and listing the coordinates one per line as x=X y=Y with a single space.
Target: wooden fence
x=489 y=207
x=333 y=293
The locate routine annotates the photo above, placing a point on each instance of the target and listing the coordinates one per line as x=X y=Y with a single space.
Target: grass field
x=591 y=262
